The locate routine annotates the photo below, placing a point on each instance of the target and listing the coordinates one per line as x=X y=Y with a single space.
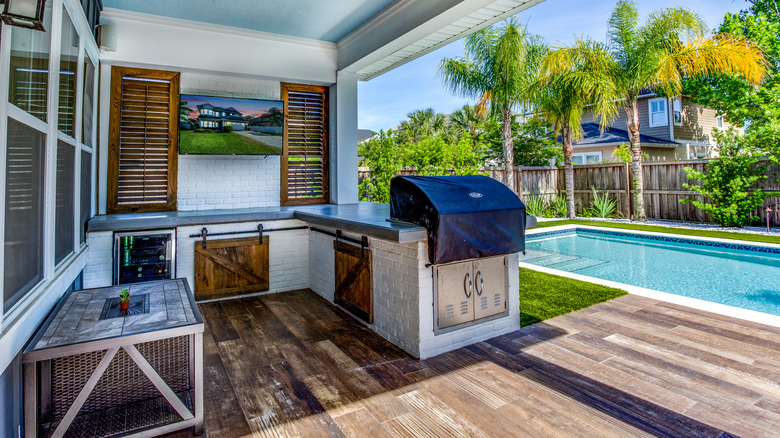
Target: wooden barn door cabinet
x=353 y=280
x=230 y=267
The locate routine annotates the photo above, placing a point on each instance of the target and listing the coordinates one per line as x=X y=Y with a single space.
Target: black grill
x=466 y=216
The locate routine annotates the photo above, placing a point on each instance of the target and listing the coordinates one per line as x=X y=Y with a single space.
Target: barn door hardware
x=339 y=235
x=204 y=232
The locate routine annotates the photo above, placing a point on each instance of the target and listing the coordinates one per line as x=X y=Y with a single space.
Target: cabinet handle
x=481 y=286
x=467 y=290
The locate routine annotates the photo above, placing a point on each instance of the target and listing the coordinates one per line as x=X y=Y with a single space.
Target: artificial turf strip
x=684 y=231
x=544 y=296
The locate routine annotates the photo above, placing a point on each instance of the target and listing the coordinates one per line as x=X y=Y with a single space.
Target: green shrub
x=200 y=130
x=726 y=182
x=602 y=206
x=535 y=205
x=227 y=129
x=558 y=205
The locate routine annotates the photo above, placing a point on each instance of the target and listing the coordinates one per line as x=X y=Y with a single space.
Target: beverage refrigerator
x=144 y=256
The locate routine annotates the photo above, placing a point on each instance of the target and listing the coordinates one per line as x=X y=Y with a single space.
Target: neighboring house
x=214 y=117
x=670 y=129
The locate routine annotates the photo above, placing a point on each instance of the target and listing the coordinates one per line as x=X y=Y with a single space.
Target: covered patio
x=292 y=364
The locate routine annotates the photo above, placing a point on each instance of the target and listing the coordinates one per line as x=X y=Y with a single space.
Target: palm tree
x=423 y=123
x=562 y=97
x=468 y=119
x=500 y=66
x=658 y=54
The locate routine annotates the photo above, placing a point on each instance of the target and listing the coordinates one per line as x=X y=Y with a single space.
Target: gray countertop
x=77 y=320
x=367 y=218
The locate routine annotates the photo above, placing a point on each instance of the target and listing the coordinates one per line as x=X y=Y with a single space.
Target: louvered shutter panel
x=305 y=158
x=145 y=137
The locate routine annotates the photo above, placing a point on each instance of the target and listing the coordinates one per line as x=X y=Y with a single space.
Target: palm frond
x=623 y=31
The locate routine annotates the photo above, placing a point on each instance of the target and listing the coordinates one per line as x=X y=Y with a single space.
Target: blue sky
x=384 y=101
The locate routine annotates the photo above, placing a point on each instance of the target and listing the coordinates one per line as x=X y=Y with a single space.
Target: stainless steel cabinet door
x=489 y=287
x=455 y=290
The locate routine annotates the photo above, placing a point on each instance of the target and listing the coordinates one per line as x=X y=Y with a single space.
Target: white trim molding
x=665 y=119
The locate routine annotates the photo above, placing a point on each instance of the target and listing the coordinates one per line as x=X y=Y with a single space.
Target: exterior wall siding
x=699 y=122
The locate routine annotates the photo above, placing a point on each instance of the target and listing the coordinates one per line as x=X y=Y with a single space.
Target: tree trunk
x=632 y=122
x=509 y=151
x=568 y=162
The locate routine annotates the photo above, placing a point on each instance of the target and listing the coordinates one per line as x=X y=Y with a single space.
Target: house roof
x=592 y=136
x=372 y=36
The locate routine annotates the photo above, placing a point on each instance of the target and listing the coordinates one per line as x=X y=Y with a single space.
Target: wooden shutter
x=143 y=140
x=305 y=156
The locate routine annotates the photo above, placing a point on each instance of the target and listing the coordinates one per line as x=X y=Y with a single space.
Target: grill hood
x=466 y=216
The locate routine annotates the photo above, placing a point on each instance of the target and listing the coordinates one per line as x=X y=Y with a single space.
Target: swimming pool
x=739 y=275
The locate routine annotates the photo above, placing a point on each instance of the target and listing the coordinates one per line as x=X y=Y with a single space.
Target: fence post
x=627 y=170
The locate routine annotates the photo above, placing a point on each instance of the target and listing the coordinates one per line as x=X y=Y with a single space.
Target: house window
x=305 y=153
x=143 y=137
x=677 y=114
x=69 y=57
x=719 y=122
x=658 y=115
x=24 y=184
x=63 y=237
x=29 y=72
x=586 y=157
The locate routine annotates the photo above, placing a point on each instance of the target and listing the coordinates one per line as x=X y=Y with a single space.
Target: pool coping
x=722 y=309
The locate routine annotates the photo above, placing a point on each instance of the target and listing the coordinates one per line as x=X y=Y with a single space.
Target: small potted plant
x=124 y=299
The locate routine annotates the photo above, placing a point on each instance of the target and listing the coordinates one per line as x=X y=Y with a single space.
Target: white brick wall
x=216 y=182
x=208 y=182
x=100 y=257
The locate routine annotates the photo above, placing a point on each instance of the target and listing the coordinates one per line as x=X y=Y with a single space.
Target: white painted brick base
x=99 y=270
x=403 y=296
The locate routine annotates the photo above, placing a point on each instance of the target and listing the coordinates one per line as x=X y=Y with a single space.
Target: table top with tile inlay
x=76 y=319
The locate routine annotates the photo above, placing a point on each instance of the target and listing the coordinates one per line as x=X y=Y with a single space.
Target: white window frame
x=665 y=118
x=677 y=110
x=719 y=122
x=584 y=156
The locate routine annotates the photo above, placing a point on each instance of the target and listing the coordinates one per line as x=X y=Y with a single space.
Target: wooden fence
x=663 y=185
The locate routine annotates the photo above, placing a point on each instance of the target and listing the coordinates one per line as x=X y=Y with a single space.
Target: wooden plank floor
x=292 y=365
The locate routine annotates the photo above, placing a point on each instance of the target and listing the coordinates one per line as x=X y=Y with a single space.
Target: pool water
x=732 y=274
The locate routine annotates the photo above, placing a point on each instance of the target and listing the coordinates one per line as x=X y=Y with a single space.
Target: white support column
x=343 y=139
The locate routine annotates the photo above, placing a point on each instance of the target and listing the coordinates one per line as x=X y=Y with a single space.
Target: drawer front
x=455 y=293
x=489 y=286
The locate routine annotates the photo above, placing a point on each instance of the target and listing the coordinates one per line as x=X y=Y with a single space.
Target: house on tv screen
x=214 y=117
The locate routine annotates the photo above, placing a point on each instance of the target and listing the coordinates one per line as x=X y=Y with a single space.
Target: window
x=24 y=185
x=658 y=116
x=677 y=112
x=63 y=222
x=586 y=157
x=29 y=74
x=305 y=155
x=719 y=122
x=143 y=137
x=86 y=194
x=87 y=108
x=69 y=57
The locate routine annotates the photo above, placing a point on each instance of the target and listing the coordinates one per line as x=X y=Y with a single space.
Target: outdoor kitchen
x=428 y=289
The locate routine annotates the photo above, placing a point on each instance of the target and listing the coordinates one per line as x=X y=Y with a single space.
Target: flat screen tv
x=230 y=126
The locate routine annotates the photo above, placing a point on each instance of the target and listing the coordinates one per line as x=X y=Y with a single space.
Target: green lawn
x=191 y=142
x=670 y=230
x=544 y=296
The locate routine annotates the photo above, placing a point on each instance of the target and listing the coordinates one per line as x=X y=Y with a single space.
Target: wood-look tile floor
x=291 y=364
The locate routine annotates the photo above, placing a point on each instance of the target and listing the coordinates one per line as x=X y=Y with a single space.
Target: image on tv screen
x=230 y=126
